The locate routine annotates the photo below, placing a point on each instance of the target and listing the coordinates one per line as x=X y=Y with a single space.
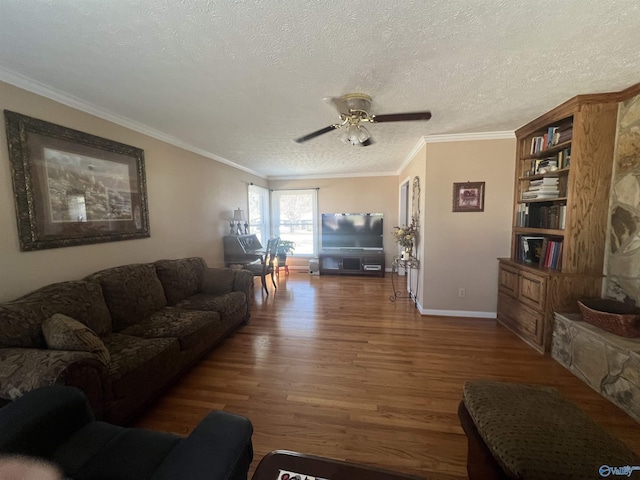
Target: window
x=295 y=218
x=259 y=213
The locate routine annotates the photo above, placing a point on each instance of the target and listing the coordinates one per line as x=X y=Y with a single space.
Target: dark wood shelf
x=557 y=173
x=541 y=200
x=538 y=231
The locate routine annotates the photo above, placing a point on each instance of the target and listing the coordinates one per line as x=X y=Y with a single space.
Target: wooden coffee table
x=276 y=465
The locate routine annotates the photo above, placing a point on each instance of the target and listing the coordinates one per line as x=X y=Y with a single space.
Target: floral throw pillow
x=64 y=333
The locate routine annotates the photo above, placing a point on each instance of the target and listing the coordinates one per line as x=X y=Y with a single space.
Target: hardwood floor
x=329 y=366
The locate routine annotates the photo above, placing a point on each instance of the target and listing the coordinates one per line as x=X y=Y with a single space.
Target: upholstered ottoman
x=533 y=432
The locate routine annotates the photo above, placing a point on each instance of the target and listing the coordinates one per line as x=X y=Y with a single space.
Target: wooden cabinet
x=529 y=296
x=564 y=163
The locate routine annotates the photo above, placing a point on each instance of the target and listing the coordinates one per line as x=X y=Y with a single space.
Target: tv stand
x=352 y=262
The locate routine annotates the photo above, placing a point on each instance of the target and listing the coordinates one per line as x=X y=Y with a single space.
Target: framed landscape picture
x=73 y=188
x=468 y=197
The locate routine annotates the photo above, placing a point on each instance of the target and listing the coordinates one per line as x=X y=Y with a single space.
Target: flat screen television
x=352 y=231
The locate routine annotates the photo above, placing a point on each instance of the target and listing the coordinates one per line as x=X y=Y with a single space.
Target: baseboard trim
x=455 y=313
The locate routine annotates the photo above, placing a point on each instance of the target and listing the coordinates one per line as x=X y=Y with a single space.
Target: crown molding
x=467 y=137
x=38 y=88
x=421 y=143
x=333 y=175
x=454 y=137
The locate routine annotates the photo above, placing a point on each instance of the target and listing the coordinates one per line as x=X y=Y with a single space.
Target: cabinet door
x=524 y=320
x=508 y=280
x=532 y=289
x=330 y=263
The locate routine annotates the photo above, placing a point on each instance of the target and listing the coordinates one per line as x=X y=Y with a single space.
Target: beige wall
x=460 y=249
x=190 y=199
x=353 y=195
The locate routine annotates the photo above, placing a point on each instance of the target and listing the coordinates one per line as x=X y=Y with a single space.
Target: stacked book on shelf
x=541 y=216
x=553 y=137
x=542 y=188
x=551 y=254
x=543 y=251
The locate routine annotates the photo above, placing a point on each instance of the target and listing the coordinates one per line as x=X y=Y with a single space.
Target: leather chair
x=266 y=266
x=56 y=424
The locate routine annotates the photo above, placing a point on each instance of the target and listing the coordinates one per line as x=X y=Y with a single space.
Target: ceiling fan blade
x=317 y=133
x=401 y=117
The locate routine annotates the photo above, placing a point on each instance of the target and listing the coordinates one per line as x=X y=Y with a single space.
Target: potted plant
x=285 y=247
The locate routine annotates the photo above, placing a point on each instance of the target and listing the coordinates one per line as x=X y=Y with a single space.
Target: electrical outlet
x=461 y=292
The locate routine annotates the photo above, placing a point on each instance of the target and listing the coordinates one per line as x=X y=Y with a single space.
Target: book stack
x=564 y=158
x=538 y=144
x=522 y=217
x=546 y=187
x=563 y=134
x=553 y=137
x=551 y=254
x=545 y=216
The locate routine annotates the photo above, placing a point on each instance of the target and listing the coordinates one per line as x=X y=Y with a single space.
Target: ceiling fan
x=354 y=109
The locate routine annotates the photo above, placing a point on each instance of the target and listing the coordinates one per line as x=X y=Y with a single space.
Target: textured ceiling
x=240 y=80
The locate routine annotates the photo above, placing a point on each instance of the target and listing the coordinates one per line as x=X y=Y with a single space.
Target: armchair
x=56 y=424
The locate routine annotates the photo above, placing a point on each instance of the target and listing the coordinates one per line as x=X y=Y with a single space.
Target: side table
x=286 y=465
x=408 y=265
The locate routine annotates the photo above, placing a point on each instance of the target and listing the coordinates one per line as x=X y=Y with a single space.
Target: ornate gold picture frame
x=73 y=188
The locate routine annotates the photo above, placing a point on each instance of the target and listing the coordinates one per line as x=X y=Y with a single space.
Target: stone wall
x=622 y=258
x=608 y=363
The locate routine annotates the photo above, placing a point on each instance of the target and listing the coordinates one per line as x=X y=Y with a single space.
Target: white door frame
x=404 y=208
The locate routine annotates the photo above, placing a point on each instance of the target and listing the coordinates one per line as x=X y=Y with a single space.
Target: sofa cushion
x=65 y=333
x=217 y=281
x=132 y=292
x=129 y=353
x=21 y=319
x=180 y=278
x=188 y=326
x=223 y=304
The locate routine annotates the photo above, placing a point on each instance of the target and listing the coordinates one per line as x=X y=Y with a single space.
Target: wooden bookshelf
x=529 y=292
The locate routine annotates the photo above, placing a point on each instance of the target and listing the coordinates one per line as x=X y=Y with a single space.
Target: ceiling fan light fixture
x=363 y=134
x=355 y=134
x=354 y=109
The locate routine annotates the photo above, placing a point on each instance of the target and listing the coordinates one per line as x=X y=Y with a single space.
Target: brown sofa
x=155 y=321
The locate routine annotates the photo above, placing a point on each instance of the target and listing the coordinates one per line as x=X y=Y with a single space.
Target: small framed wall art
x=468 y=197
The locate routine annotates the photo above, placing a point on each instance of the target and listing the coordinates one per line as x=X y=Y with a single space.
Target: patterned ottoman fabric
x=535 y=433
